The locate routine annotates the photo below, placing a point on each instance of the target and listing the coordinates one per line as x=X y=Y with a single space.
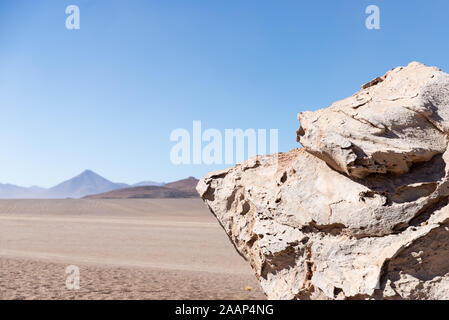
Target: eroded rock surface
x=361 y=211
x=385 y=128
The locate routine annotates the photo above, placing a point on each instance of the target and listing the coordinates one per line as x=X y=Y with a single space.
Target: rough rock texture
x=361 y=211
x=385 y=128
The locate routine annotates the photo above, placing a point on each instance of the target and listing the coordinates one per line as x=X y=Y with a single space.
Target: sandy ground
x=125 y=249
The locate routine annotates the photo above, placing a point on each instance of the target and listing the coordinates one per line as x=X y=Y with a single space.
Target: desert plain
x=124 y=249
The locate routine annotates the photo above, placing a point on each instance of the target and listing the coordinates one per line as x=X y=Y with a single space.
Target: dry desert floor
x=124 y=249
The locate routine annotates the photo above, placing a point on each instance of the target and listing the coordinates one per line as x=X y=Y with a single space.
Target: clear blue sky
x=106 y=97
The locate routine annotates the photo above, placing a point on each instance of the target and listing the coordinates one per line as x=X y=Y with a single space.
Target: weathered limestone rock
x=361 y=212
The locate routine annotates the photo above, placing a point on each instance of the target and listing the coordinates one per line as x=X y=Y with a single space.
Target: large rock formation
x=361 y=211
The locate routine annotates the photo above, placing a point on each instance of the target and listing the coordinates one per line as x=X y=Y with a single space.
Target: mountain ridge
x=185 y=188
x=86 y=183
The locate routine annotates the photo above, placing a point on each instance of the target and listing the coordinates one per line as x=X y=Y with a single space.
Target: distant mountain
x=178 y=189
x=148 y=183
x=10 y=191
x=84 y=184
x=186 y=185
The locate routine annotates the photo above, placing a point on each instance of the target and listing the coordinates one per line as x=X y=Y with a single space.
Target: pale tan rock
x=361 y=211
x=384 y=128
